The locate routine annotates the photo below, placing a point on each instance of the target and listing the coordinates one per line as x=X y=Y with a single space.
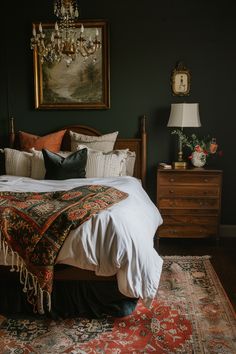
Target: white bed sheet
x=118 y=240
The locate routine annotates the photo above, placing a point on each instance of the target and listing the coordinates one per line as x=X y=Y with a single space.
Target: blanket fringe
x=29 y=281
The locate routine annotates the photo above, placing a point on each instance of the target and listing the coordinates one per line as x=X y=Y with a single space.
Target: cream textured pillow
x=105 y=164
x=17 y=163
x=102 y=143
x=128 y=169
x=37 y=165
x=38 y=169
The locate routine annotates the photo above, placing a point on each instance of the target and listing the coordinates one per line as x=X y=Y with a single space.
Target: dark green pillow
x=58 y=167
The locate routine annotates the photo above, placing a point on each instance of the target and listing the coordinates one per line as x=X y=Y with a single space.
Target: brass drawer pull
x=171 y=191
x=172 y=179
x=206 y=180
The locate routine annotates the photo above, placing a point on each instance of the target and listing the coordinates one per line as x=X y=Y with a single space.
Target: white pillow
x=17 y=163
x=105 y=164
x=128 y=169
x=37 y=163
x=104 y=142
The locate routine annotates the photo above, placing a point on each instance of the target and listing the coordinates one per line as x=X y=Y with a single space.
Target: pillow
x=128 y=169
x=104 y=164
x=50 y=142
x=38 y=169
x=17 y=163
x=58 y=167
x=102 y=143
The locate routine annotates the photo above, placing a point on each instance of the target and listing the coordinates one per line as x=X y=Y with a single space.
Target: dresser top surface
x=189 y=170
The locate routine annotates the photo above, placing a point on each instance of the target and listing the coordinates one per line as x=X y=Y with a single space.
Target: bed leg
x=11 y=133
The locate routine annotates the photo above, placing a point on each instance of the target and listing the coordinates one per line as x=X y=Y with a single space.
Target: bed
x=85 y=280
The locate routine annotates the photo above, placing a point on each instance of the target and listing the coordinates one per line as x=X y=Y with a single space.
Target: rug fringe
x=179 y=257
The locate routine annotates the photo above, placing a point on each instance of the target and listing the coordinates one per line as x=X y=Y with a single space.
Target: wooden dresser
x=189 y=202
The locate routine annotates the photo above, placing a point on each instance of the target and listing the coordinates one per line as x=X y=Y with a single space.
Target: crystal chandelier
x=66 y=41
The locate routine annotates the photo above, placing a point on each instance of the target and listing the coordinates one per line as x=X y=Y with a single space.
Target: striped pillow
x=17 y=163
x=104 y=164
x=128 y=168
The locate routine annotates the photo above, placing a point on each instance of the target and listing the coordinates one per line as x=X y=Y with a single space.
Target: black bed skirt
x=70 y=299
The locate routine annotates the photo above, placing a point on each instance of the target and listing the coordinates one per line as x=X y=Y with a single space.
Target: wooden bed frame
x=139 y=145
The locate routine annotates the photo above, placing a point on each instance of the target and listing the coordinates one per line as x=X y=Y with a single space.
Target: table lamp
x=183 y=115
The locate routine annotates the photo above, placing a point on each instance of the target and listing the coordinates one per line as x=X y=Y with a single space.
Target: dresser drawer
x=190 y=219
x=182 y=191
x=187 y=230
x=198 y=212
x=189 y=178
x=189 y=203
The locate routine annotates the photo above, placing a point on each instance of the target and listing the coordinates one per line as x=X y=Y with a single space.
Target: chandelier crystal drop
x=66 y=41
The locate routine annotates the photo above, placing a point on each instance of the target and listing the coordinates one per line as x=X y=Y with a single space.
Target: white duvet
x=118 y=240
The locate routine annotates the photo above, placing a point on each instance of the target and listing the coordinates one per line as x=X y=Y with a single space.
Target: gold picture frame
x=180 y=80
x=58 y=86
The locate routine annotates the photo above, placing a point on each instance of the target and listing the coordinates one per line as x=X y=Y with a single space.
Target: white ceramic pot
x=198 y=159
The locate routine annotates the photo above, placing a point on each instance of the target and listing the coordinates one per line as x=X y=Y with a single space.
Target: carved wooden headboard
x=139 y=145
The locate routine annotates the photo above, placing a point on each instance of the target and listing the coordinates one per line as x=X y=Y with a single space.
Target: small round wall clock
x=180 y=80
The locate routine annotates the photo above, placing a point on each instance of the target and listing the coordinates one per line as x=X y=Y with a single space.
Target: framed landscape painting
x=84 y=84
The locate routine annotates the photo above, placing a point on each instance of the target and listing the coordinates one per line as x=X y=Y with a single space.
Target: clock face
x=180 y=83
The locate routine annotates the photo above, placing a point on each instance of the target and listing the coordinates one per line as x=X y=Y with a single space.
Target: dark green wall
x=147 y=38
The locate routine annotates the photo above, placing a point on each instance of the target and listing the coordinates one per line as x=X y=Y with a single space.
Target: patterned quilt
x=35 y=225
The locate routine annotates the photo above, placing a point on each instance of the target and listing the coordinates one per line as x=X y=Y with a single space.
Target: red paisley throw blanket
x=35 y=225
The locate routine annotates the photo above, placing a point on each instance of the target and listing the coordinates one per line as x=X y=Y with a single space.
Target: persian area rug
x=191 y=315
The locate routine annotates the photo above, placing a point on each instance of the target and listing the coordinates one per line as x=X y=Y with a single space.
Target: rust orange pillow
x=50 y=142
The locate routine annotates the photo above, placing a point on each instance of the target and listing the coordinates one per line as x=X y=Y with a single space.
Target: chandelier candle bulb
x=34 y=31
x=71 y=10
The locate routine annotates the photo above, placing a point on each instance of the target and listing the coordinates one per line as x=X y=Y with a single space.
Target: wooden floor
x=223 y=258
